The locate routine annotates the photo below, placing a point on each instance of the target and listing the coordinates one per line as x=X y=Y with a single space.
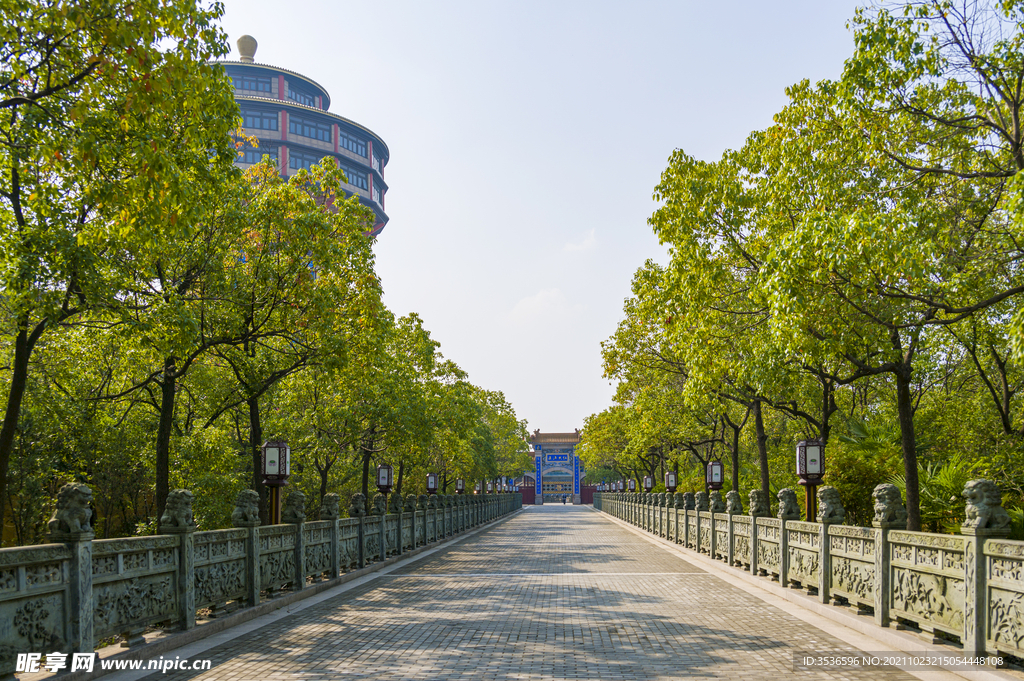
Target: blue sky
x=526 y=139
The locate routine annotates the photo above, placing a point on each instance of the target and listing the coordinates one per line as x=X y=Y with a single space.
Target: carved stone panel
x=220 y=582
x=928 y=599
x=853 y=579
x=132 y=603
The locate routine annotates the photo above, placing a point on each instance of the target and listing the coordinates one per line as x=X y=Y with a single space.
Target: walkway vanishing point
x=551 y=592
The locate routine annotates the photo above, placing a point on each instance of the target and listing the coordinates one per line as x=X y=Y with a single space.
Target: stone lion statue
x=380 y=505
x=357 y=506
x=689 y=502
x=329 y=507
x=178 y=511
x=789 y=509
x=395 y=504
x=830 y=506
x=421 y=502
x=889 y=505
x=716 y=504
x=294 y=509
x=733 y=503
x=247 y=509
x=700 y=501
x=759 y=506
x=410 y=503
x=72 y=514
x=985 y=506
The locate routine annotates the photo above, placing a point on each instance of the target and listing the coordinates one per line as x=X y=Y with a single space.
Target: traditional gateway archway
x=557 y=468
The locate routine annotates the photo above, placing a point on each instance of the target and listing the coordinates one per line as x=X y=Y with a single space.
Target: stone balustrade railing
x=66 y=596
x=966 y=588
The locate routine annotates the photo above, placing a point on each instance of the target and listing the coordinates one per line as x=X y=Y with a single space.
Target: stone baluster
x=830 y=512
x=177 y=520
x=733 y=506
x=357 y=509
x=70 y=525
x=788 y=510
x=294 y=513
x=247 y=514
x=889 y=515
x=759 y=508
x=329 y=511
x=985 y=517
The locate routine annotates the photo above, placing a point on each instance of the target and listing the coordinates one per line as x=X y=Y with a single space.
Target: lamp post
x=671 y=483
x=431 y=483
x=632 y=485
x=810 y=466
x=276 y=467
x=460 y=486
x=385 y=478
x=715 y=475
x=648 y=483
x=490 y=487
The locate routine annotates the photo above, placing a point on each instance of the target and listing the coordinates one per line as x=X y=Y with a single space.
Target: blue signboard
x=576 y=475
x=558 y=457
x=537 y=478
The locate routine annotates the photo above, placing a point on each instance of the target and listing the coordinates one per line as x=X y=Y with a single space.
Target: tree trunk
x=23 y=344
x=256 y=450
x=828 y=405
x=762 y=448
x=401 y=472
x=905 y=410
x=168 y=384
x=366 y=473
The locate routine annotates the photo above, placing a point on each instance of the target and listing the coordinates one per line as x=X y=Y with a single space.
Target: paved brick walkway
x=554 y=592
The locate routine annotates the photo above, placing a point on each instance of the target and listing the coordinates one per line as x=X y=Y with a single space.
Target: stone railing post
x=716 y=505
x=395 y=507
x=733 y=506
x=177 y=520
x=357 y=509
x=759 y=508
x=830 y=512
x=889 y=515
x=329 y=511
x=986 y=518
x=689 y=504
x=247 y=514
x=788 y=510
x=70 y=525
x=294 y=513
x=421 y=505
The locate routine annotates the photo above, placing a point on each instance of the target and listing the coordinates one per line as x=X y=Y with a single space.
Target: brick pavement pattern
x=553 y=592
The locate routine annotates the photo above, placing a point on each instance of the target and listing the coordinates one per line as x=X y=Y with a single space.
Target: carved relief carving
x=853 y=577
x=1006 y=618
x=32 y=621
x=931 y=598
x=803 y=566
x=132 y=602
x=220 y=582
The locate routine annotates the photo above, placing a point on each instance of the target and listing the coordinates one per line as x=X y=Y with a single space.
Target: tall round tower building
x=288 y=113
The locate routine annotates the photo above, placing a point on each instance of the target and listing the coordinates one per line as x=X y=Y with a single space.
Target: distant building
x=557 y=469
x=287 y=112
